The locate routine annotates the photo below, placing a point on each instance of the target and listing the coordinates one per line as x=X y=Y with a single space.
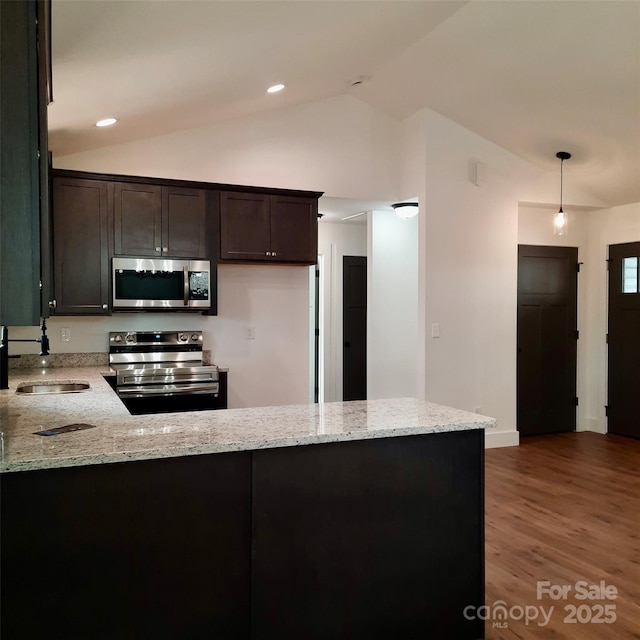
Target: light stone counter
x=118 y=436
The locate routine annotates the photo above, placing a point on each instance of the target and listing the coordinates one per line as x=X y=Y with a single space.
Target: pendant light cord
x=561 y=163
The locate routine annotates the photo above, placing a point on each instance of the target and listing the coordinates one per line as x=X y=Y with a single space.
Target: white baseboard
x=493 y=439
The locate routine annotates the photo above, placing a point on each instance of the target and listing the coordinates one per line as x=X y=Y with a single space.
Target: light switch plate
x=65 y=334
x=435 y=330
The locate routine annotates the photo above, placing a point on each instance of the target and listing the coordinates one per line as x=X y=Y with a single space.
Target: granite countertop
x=117 y=436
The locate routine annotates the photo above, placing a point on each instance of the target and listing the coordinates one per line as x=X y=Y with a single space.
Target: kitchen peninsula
x=340 y=520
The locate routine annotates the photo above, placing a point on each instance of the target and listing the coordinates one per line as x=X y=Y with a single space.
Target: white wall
x=469 y=238
x=341 y=146
x=392 y=305
x=336 y=240
x=271 y=369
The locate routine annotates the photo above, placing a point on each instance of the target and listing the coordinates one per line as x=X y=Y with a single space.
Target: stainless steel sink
x=41 y=388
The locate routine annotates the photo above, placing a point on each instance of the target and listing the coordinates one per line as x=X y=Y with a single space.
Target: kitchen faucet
x=4 y=350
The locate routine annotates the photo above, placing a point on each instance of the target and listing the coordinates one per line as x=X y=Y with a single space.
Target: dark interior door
x=547 y=335
x=354 y=328
x=624 y=339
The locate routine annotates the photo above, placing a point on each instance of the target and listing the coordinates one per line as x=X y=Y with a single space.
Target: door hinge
x=606 y=410
x=577 y=401
x=609 y=261
x=317 y=333
x=578 y=266
x=577 y=335
x=606 y=339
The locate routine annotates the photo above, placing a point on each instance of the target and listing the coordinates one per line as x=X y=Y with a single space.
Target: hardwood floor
x=564 y=509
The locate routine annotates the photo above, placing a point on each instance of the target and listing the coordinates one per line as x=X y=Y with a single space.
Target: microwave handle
x=186 y=284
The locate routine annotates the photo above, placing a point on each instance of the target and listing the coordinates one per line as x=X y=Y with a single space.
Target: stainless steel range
x=160 y=371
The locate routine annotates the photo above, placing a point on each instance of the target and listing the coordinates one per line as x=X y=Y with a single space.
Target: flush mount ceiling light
x=560 y=219
x=406 y=210
x=275 y=88
x=107 y=122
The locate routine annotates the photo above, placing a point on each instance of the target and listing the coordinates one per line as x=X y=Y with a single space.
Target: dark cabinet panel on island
x=276 y=228
x=366 y=539
x=378 y=538
x=151 y=549
x=153 y=220
x=80 y=247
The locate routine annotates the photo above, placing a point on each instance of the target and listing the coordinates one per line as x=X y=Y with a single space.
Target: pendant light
x=406 y=210
x=560 y=220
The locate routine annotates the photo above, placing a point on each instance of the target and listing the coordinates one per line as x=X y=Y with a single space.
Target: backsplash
x=96 y=359
x=34 y=361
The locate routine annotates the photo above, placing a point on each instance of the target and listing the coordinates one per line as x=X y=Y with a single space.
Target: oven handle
x=168 y=389
x=186 y=284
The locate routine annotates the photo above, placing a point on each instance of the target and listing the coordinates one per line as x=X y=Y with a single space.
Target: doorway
x=354 y=328
x=623 y=339
x=547 y=339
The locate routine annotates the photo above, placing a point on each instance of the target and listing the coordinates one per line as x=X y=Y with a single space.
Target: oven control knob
x=117 y=338
x=194 y=337
x=130 y=337
x=183 y=337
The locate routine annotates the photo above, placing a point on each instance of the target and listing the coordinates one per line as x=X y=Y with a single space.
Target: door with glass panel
x=624 y=339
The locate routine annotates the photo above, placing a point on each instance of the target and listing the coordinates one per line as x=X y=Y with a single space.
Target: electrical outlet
x=65 y=334
x=435 y=330
x=251 y=332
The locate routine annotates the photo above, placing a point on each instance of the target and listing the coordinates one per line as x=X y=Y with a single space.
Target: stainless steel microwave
x=148 y=283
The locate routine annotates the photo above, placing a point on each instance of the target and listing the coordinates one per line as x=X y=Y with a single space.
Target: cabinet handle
x=165 y=249
x=268 y=253
x=274 y=254
x=105 y=306
x=158 y=250
x=52 y=304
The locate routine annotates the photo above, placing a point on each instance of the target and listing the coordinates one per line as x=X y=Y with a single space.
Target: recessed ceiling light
x=107 y=122
x=275 y=88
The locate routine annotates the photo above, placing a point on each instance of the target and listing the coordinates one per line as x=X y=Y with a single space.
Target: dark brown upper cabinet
x=258 y=227
x=294 y=229
x=80 y=247
x=153 y=220
x=24 y=190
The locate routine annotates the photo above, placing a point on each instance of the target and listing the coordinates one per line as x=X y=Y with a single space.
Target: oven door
x=155 y=388
x=173 y=402
x=140 y=283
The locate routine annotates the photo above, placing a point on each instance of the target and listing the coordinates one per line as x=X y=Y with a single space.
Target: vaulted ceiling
x=533 y=76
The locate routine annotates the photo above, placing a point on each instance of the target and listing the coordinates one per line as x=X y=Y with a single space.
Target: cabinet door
x=294 y=229
x=244 y=226
x=80 y=247
x=184 y=222
x=20 y=191
x=138 y=219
